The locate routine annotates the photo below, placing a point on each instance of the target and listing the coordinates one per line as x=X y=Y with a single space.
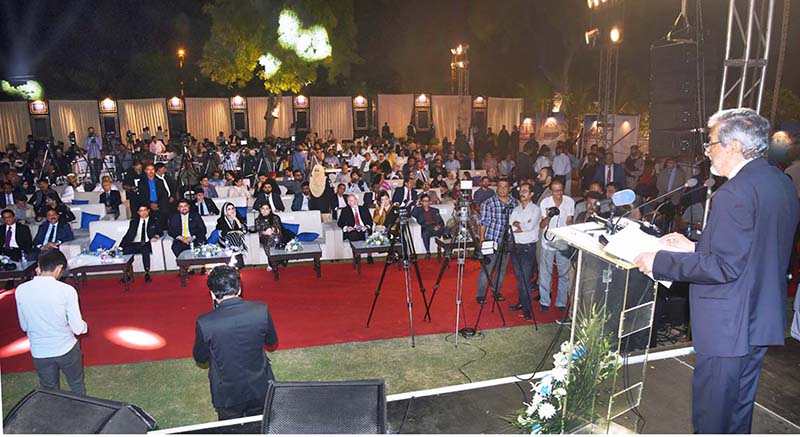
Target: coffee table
x=309 y=251
x=361 y=247
x=187 y=259
x=446 y=245
x=84 y=264
x=24 y=271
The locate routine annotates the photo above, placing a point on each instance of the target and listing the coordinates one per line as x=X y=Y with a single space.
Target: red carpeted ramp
x=156 y=321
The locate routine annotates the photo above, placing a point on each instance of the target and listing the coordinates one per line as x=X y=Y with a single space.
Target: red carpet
x=156 y=321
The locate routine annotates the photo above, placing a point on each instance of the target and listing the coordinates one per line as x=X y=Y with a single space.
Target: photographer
x=558 y=211
x=93 y=147
x=239 y=370
x=494 y=218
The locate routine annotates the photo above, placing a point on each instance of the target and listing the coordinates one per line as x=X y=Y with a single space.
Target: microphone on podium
x=691 y=183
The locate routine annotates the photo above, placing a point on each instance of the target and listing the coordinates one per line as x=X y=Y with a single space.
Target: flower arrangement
x=7 y=263
x=293 y=245
x=207 y=251
x=377 y=239
x=578 y=369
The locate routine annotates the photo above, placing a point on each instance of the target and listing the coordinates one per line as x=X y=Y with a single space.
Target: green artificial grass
x=176 y=392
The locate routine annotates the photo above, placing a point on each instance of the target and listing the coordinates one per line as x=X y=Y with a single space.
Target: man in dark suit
x=52 y=232
x=111 y=199
x=39 y=198
x=153 y=190
x=610 y=172
x=354 y=220
x=269 y=193
x=16 y=237
x=301 y=200
x=239 y=371
x=669 y=178
x=371 y=197
x=202 y=205
x=9 y=197
x=142 y=231
x=406 y=195
x=186 y=227
x=430 y=220
x=737 y=272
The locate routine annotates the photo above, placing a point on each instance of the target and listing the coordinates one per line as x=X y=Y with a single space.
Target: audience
x=142 y=233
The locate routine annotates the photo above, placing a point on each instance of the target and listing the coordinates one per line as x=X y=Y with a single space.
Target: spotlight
x=237 y=102
x=591 y=36
x=181 y=53
x=615 y=34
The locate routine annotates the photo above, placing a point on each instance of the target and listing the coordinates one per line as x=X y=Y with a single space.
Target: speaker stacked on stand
x=45 y=411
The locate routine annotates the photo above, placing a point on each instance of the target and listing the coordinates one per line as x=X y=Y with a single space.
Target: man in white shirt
x=562 y=166
x=554 y=251
x=49 y=313
x=356 y=159
x=525 y=219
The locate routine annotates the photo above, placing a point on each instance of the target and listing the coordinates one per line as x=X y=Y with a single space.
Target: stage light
x=479 y=99
x=309 y=44
x=238 y=102
x=616 y=34
x=108 y=105
x=300 y=101
x=270 y=63
x=360 y=102
x=17 y=347
x=28 y=90
x=591 y=36
x=181 y=52
x=135 y=338
x=176 y=104
x=38 y=107
x=422 y=99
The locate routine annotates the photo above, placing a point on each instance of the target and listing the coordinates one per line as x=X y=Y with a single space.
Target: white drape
x=206 y=117
x=396 y=109
x=15 y=124
x=332 y=113
x=136 y=114
x=446 y=111
x=74 y=115
x=257 y=107
x=503 y=111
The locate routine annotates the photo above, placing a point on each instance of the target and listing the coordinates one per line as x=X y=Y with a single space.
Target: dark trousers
x=140 y=248
x=427 y=233
x=250 y=408
x=95 y=166
x=178 y=247
x=523 y=257
x=13 y=253
x=724 y=392
x=71 y=363
x=355 y=236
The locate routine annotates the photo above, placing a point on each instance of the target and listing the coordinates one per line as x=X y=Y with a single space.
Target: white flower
x=560 y=392
x=546 y=411
x=537 y=399
x=559 y=374
x=560 y=359
x=530 y=410
x=566 y=347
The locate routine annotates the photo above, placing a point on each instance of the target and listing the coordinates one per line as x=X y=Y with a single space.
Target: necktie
x=108 y=195
x=8 y=237
x=608 y=174
x=358 y=220
x=185 y=219
x=408 y=195
x=202 y=208
x=144 y=231
x=52 y=233
x=9 y=199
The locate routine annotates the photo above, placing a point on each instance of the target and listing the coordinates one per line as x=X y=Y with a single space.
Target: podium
x=612 y=311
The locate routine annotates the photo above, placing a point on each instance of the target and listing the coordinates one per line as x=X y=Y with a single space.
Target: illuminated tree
x=283 y=43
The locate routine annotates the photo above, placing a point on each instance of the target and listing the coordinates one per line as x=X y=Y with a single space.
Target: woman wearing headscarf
x=232 y=232
x=271 y=232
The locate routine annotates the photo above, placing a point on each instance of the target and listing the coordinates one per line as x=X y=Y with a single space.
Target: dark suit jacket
x=346 y=217
x=399 y=195
x=297 y=202
x=619 y=175
x=419 y=215
x=738 y=269
x=135 y=228
x=239 y=370
x=161 y=193
x=261 y=199
x=114 y=201
x=370 y=199
x=211 y=207
x=22 y=235
x=63 y=233
x=17 y=196
x=196 y=227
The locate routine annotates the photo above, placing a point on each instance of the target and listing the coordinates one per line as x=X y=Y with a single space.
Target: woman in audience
x=385 y=185
x=70 y=189
x=382 y=210
x=232 y=232
x=271 y=232
x=239 y=190
x=64 y=213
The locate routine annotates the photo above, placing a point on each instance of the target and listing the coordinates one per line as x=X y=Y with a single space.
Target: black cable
x=478 y=336
x=405 y=415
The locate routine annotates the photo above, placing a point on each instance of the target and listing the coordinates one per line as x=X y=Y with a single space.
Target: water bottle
x=191 y=246
x=24 y=258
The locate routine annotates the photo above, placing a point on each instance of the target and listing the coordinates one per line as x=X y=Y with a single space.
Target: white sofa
x=116 y=229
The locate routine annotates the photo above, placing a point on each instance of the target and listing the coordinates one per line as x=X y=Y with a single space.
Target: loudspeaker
x=346 y=407
x=45 y=411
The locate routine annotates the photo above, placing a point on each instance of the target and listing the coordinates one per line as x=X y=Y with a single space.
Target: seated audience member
x=426 y=190
x=239 y=370
x=186 y=227
x=232 y=232
x=271 y=232
x=269 y=195
x=39 y=198
x=49 y=313
x=208 y=190
x=69 y=190
x=202 y=205
x=64 y=211
x=13 y=200
x=292 y=181
x=239 y=190
x=371 y=198
x=339 y=200
x=354 y=220
x=52 y=232
x=301 y=200
x=17 y=237
x=405 y=196
x=591 y=205
x=356 y=185
x=381 y=211
x=112 y=200
x=430 y=220
x=216 y=179
x=143 y=231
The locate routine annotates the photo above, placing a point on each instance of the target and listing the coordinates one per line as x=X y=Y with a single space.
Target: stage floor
x=666 y=403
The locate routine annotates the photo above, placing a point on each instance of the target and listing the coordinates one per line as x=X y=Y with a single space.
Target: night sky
x=126 y=49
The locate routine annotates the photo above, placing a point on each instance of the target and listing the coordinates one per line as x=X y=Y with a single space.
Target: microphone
x=691 y=183
x=709 y=184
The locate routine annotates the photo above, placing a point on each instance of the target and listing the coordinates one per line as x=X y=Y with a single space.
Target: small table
x=84 y=264
x=24 y=271
x=446 y=245
x=187 y=259
x=361 y=247
x=309 y=251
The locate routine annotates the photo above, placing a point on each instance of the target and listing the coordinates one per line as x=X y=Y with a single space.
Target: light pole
x=459 y=76
x=181 y=55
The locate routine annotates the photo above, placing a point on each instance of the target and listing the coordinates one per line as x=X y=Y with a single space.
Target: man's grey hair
x=745 y=126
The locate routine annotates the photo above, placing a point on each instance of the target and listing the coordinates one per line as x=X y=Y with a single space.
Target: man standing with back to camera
x=231 y=339
x=737 y=272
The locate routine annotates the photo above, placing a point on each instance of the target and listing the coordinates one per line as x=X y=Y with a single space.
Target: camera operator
x=93 y=147
x=494 y=218
x=558 y=211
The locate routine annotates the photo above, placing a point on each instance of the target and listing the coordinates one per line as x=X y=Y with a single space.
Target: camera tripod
x=187 y=170
x=408 y=256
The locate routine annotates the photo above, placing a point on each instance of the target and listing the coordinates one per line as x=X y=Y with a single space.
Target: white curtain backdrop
x=396 y=109
x=332 y=113
x=74 y=115
x=257 y=107
x=15 y=124
x=206 y=117
x=136 y=114
x=502 y=111
x=446 y=110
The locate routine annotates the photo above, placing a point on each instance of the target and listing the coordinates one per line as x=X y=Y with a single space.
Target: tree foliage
x=244 y=30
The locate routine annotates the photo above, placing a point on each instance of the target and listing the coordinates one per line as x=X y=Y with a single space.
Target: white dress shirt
x=13 y=243
x=528 y=218
x=138 y=238
x=562 y=165
x=541 y=162
x=567 y=209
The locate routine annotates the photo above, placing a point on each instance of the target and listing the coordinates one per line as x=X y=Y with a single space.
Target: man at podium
x=737 y=272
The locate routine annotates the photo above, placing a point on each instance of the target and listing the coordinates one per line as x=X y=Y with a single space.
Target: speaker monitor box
x=45 y=411
x=346 y=407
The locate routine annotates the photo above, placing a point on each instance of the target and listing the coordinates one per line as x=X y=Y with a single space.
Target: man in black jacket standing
x=239 y=370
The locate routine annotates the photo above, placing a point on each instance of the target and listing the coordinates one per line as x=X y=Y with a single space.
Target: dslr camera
x=553 y=211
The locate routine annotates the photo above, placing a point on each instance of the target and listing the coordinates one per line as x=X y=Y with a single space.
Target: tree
x=253 y=38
